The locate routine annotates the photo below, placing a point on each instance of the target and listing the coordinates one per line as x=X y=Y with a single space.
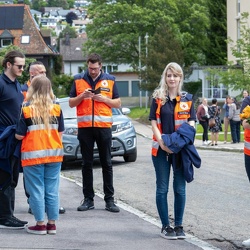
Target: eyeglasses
x=94 y=69
x=20 y=66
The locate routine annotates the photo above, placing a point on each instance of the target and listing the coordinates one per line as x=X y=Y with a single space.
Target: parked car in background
x=124 y=141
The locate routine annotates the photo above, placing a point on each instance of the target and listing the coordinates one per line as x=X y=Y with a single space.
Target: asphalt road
x=217 y=208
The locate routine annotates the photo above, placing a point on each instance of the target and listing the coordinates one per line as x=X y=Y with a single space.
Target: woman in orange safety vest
x=246 y=126
x=40 y=128
x=170 y=108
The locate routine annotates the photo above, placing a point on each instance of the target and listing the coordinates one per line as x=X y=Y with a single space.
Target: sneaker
x=37 y=229
x=21 y=221
x=87 y=204
x=204 y=143
x=11 y=223
x=111 y=207
x=62 y=210
x=51 y=228
x=179 y=232
x=209 y=142
x=246 y=243
x=168 y=233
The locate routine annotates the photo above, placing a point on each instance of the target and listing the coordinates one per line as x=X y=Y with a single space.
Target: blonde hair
x=161 y=92
x=41 y=98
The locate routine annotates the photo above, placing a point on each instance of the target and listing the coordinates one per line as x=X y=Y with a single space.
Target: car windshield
x=70 y=113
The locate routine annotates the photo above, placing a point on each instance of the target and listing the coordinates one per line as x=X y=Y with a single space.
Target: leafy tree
x=70 y=17
x=62 y=84
x=58 y=3
x=68 y=30
x=37 y=4
x=216 y=51
x=159 y=55
x=116 y=27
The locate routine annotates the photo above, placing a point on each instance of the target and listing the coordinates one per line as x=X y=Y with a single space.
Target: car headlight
x=122 y=126
x=70 y=131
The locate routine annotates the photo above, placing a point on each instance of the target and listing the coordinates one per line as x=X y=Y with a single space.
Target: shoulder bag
x=211 y=121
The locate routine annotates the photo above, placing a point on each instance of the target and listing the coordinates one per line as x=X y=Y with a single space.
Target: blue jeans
x=162 y=170
x=235 y=130
x=42 y=184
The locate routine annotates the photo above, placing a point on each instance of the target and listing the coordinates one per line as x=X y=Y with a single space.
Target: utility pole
x=146 y=38
x=140 y=97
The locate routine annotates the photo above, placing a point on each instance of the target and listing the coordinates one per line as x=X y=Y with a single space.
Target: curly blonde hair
x=41 y=98
x=161 y=92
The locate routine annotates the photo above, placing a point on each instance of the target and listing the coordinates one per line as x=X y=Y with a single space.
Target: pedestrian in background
x=214 y=112
x=94 y=94
x=246 y=126
x=203 y=117
x=225 y=119
x=11 y=99
x=234 y=119
x=40 y=128
x=245 y=93
x=168 y=110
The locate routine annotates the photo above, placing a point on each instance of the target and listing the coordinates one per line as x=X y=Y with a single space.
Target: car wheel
x=130 y=157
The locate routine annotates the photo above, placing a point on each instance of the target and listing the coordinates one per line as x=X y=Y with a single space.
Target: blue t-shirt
x=11 y=99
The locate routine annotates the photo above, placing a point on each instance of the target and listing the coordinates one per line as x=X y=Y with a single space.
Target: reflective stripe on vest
x=40 y=146
x=181 y=115
x=91 y=113
x=247 y=141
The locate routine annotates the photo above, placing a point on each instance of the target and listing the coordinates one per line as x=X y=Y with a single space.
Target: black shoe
x=10 y=223
x=62 y=210
x=168 y=233
x=21 y=221
x=179 y=232
x=87 y=204
x=111 y=207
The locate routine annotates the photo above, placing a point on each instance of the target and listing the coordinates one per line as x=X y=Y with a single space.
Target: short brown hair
x=10 y=57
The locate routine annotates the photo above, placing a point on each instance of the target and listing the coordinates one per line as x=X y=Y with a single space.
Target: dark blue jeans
x=162 y=170
x=235 y=130
x=103 y=138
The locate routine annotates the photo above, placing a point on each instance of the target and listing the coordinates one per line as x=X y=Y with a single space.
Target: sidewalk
x=95 y=229
x=146 y=131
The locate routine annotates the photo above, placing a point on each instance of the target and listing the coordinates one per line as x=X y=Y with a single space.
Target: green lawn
x=141 y=115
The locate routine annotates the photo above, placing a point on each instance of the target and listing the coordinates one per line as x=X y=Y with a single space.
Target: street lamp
x=139 y=45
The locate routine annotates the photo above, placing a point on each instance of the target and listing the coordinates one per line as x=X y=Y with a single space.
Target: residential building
x=22 y=30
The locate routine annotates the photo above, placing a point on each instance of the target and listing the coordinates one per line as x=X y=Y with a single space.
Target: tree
x=116 y=27
x=159 y=55
x=70 y=17
x=68 y=30
x=216 y=51
x=58 y=3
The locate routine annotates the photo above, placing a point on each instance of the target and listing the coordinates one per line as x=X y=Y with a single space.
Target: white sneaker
x=204 y=143
x=246 y=243
x=208 y=142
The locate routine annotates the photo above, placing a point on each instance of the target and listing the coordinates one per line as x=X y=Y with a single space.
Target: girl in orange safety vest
x=40 y=128
x=169 y=109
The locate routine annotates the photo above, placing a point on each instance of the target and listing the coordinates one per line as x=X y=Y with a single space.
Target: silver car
x=124 y=141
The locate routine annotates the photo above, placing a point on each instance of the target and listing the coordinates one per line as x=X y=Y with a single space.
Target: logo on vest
x=104 y=83
x=184 y=106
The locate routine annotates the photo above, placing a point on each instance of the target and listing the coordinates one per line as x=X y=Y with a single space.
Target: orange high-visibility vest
x=38 y=146
x=181 y=115
x=25 y=87
x=91 y=113
x=247 y=141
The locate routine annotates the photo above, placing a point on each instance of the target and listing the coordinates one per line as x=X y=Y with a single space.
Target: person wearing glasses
x=35 y=68
x=11 y=99
x=94 y=94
